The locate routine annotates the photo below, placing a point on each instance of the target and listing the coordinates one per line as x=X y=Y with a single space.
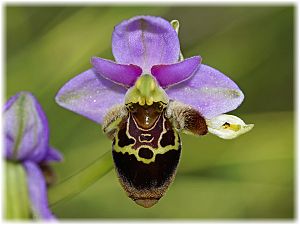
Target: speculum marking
x=146 y=138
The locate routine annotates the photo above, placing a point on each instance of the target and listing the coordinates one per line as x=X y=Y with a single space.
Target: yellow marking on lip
x=234 y=127
x=160 y=150
x=145 y=141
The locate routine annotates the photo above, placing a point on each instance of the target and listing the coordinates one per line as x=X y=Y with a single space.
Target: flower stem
x=80 y=180
x=17 y=205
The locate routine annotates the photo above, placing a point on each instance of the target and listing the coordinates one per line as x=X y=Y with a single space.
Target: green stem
x=81 y=180
x=16 y=193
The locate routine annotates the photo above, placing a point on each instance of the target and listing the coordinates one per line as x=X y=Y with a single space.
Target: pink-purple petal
x=209 y=91
x=90 y=95
x=168 y=75
x=119 y=73
x=37 y=192
x=26 y=128
x=145 y=41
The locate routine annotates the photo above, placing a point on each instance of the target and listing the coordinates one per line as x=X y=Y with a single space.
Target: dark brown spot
x=143 y=176
x=167 y=138
x=226 y=125
x=124 y=140
x=145 y=153
x=48 y=174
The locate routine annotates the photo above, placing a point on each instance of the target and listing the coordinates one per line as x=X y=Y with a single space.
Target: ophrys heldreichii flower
x=149 y=95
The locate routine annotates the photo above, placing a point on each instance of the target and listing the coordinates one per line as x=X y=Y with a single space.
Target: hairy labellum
x=146 y=153
x=146 y=144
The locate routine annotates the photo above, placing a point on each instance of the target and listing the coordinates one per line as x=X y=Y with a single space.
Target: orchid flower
x=146 y=96
x=27 y=154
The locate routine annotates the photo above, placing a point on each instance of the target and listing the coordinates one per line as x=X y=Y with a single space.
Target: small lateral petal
x=90 y=95
x=228 y=126
x=168 y=75
x=209 y=91
x=119 y=73
x=145 y=41
x=37 y=192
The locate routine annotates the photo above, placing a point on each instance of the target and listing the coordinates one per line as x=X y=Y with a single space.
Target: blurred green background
x=249 y=177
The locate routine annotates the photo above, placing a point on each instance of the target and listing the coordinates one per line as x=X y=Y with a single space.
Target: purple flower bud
x=27 y=142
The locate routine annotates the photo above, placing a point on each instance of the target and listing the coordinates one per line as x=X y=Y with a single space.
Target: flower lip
x=145 y=41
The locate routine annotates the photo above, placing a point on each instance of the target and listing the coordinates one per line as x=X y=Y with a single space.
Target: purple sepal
x=121 y=74
x=209 y=91
x=53 y=155
x=145 y=41
x=9 y=138
x=37 y=192
x=11 y=100
x=90 y=95
x=26 y=128
x=168 y=75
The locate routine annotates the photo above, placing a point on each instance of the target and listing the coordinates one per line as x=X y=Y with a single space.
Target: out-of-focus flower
x=27 y=153
x=150 y=79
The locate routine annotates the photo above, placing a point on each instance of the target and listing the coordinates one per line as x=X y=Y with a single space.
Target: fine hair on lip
x=146 y=203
